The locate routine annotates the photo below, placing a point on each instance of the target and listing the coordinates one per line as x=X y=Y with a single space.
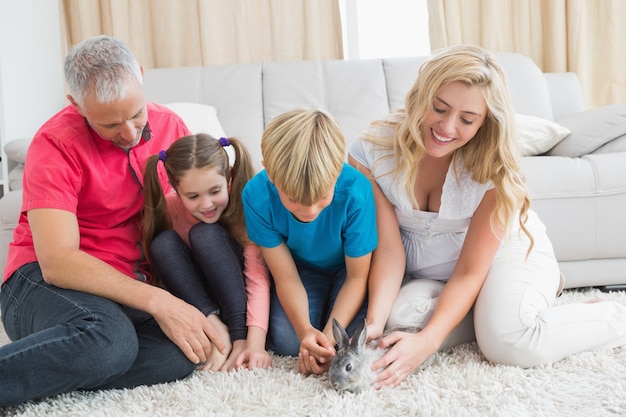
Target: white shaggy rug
x=458 y=382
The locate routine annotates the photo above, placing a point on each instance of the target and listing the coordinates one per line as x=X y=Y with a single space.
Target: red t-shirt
x=70 y=167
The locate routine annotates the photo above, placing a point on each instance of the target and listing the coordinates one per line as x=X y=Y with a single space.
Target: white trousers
x=514 y=319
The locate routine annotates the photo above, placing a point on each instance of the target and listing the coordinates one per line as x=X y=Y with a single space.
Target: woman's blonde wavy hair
x=492 y=155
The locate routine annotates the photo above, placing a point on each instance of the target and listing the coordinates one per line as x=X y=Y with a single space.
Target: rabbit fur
x=351 y=367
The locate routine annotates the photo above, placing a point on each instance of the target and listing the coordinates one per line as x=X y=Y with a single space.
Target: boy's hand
x=316 y=352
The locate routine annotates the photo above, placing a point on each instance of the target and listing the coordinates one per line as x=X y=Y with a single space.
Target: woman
x=456 y=231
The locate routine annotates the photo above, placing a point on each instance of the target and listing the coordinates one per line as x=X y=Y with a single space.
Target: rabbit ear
x=359 y=337
x=341 y=337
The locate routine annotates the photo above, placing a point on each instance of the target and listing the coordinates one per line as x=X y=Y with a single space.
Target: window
x=384 y=28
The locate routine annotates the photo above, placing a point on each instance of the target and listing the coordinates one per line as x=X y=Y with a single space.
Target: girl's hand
x=238 y=348
x=254 y=354
x=252 y=358
x=408 y=351
x=316 y=352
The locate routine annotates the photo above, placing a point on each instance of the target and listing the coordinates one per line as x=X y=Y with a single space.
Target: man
x=75 y=298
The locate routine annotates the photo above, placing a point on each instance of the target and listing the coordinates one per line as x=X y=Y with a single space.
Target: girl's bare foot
x=217 y=359
x=238 y=348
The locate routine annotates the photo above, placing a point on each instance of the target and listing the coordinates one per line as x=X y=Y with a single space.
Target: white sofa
x=578 y=186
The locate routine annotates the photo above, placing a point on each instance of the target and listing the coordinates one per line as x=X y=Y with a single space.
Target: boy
x=314 y=218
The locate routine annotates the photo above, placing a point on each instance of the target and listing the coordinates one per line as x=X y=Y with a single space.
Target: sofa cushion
x=537 y=135
x=616 y=145
x=202 y=118
x=353 y=91
x=234 y=90
x=591 y=129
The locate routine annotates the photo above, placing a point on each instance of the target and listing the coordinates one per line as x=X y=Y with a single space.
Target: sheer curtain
x=559 y=35
x=168 y=33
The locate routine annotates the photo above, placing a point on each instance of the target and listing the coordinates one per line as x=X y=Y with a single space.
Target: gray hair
x=100 y=66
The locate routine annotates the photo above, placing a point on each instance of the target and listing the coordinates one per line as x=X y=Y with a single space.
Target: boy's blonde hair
x=303 y=153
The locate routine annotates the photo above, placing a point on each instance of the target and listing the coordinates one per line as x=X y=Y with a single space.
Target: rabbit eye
x=349 y=367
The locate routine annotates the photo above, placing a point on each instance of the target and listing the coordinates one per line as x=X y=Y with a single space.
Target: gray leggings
x=207 y=275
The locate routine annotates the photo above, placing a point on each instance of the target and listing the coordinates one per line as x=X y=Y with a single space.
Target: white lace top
x=432 y=241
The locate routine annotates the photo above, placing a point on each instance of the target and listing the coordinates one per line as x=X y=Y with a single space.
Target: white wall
x=31 y=68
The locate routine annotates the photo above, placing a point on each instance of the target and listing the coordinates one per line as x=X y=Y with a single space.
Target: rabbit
x=350 y=369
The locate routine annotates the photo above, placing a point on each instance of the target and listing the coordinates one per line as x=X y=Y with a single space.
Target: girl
x=198 y=247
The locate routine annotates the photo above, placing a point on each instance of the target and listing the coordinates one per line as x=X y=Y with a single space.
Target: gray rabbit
x=350 y=369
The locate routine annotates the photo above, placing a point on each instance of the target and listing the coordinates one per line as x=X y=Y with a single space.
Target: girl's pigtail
x=155 y=217
x=241 y=172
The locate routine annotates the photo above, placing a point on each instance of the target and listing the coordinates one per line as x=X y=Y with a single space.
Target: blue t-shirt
x=346 y=227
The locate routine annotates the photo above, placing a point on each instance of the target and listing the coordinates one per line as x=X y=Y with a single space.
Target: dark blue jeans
x=322 y=287
x=209 y=275
x=66 y=340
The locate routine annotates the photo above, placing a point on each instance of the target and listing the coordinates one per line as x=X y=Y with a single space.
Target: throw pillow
x=199 y=118
x=202 y=118
x=591 y=129
x=537 y=135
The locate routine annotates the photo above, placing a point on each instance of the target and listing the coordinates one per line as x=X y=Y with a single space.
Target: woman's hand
x=407 y=352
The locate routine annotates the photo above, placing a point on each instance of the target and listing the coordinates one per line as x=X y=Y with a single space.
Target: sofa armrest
x=10 y=208
x=16 y=151
x=581 y=202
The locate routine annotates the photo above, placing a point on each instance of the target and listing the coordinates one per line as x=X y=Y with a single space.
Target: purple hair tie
x=162 y=156
x=224 y=141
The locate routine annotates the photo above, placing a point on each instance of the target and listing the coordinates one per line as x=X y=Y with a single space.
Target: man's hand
x=189 y=329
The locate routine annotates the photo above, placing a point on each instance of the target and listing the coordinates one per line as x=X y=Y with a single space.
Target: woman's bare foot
x=217 y=359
